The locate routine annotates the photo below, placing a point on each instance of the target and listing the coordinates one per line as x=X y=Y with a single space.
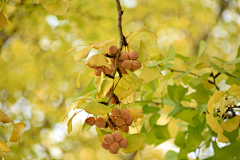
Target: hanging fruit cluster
x=114 y=141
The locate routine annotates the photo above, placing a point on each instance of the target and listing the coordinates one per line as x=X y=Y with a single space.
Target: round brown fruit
x=112 y=100
x=125 y=128
x=93 y=67
x=112 y=60
x=113 y=152
x=98 y=71
x=133 y=55
x=125 y=113
x=104 y=146
x=123 y=71
x=100 y=122
x=117 y=136
x=109 y=71
x=112 y=49
x=123 y=143
x=127 y=64
x=112 y=118
x=136 y=64
x=129 y=120
x=123 y=56
x=115 y=111
x=107 y=139
x=119 y=121
x=108 y=93
x=90 y=121
x=114 y=146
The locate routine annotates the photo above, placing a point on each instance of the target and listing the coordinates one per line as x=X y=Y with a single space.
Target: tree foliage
x=185 y=94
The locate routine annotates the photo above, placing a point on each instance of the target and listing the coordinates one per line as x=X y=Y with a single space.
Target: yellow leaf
x=135 y=142
x=95 y=108
x=72 y=49
x=3 y=20
x=17 y=131
x=122 y=93
x=221 y=137
x=4 y=118
x=59 y=7
x=98 y=45
x=231 y=124
x=82 y=74
x=218 y=95
x=152 y=34
x=103 y=86
x=4 y=147
x=70 y=122
x=208 y=85
x=212 y=122
x=83 y=53
x=136 y=113
x=97 y=60
x=234 y=90
x=149 y=75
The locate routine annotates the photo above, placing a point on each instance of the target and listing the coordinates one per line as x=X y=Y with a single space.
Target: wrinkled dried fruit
x=127 y=64
x=123 y=56
x=107 y=139
x=90 y=121
x=125 y=113
x=109 y=71
x=123 y=143
x=136 y=64
x=119 y=121
x=125 y=128
x=104 y=146
x=100 y=122
x=129 y=121
x=98 y=71
x=117 y=136
x=115 y=111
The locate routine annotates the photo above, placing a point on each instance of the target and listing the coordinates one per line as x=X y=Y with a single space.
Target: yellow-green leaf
x=4 y=118
x=152 y=34
x=59 y=7
x=104 y=86
x=234 y=90
x=221 y=137
x=85 y=127
x=83 y=53
x=70 y=107
x=72 y=49
x=212 y=122
x=148 y=74
x=143 y=52
x=70 y=122
x=135 y=142
x=136 y=113
x=231 y=124
x=208 y=85
x=95 y=108
x=97 y=60
x=98 y=45
x=17 y=131
x=3 y=20
x=4 y=147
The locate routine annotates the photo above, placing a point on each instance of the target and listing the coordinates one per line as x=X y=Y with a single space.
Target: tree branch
x=173 y=70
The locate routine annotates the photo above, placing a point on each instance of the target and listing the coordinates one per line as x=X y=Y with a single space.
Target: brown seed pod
x=125 y=128
x=136 y=64
x=107 y=139
x=125 y=113
x=123 y=56
x=109 y=71
x=112 y=60
x=98 y=71
x=119 y=121
x=104 y=146
x=113 y=152
x=100 y=122
x=90 y=121
x=112 y=100
x=114 y=146
x=124 y=71
x=112 y=49
x=117 y=136
x=127 y=64
x=129 y=120
x=133 y=55
x=123 y=143
x=116 y=111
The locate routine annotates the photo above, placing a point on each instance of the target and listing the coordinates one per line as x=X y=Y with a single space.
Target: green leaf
x=146 y=109
x=143 y=52
x=59 y=7
x=201 y=95
x=171 y=155
x=153 y=119
x=95 y=108
x=187 y=116
x=202 y=47
x=161 y=132
x=90 y=87
x=85 y=127
x=185 y=59
x=180 y=139
x=176 y=110
x=232 y=136
x=177 y=93
x=135 y=142
x=170 y=54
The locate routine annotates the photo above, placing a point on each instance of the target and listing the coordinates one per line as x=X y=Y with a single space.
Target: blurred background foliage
x=38 y=81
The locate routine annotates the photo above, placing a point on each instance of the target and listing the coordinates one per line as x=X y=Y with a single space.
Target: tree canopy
x=184 y=100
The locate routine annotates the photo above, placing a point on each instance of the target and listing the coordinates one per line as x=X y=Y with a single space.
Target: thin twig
x=157 y=103
x=173 y=70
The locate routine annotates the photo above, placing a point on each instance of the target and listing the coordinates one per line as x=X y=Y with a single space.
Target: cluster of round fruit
x=126 y=60
x=121 y=118
x=114 y=141
x=99 y=70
